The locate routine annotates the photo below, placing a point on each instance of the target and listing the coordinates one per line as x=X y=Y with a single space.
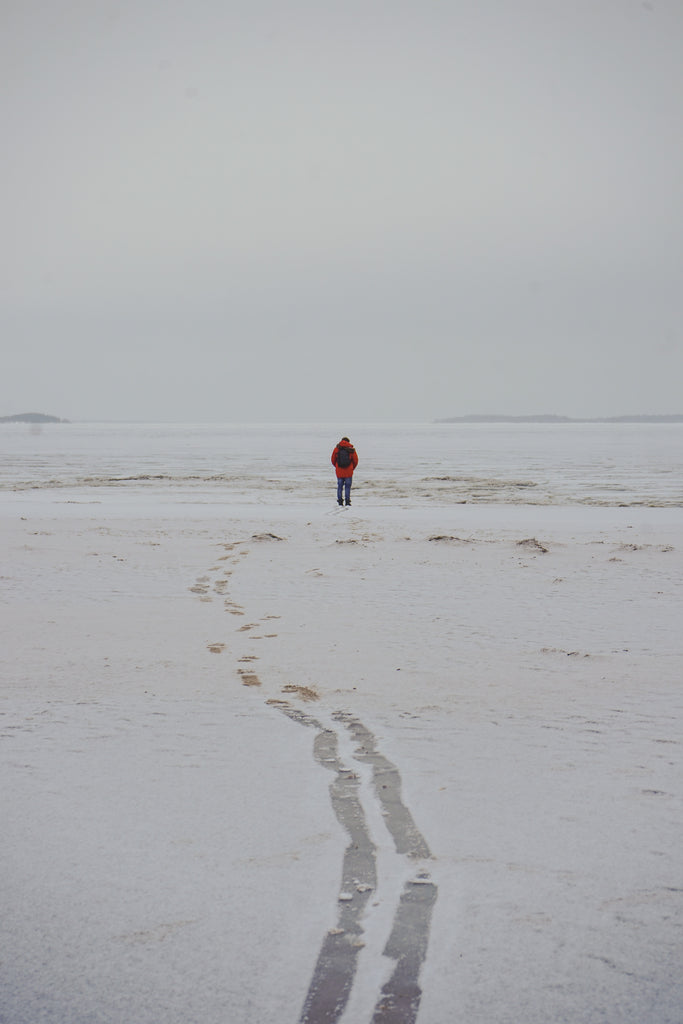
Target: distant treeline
x=31 y=417
x=561 y=419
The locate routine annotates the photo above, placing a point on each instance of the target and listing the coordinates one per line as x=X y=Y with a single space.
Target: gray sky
x=397 y=210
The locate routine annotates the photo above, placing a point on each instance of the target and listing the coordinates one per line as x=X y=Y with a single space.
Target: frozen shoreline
x=404 y=465
x=170 y=847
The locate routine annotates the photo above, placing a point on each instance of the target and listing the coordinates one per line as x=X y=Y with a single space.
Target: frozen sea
x=270 y=761
x=405 y=465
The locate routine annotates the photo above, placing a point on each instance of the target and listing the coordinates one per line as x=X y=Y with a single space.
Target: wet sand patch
x=303 y=692
x=248 y=678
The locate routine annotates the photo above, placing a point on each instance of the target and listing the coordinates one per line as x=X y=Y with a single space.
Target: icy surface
x=170 y=848
x=408 y=464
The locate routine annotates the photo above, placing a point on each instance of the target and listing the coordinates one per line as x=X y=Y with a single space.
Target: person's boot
x=339 y=501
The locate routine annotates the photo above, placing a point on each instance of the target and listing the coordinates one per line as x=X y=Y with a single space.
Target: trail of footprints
x=214 y=584
x=336 y=966
x=217 y=579
x=335 y=969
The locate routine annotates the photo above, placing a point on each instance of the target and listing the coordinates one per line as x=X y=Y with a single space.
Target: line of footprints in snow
x=334 y=972
x=215 y=583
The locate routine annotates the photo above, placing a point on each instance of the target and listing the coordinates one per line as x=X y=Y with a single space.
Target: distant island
x=475 y=418
x=31 y=417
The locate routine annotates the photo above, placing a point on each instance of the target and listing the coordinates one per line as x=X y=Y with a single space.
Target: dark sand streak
x=335 y=969
x=400 y=999
x=337 y=961
x=387 y=781
x=407 y=944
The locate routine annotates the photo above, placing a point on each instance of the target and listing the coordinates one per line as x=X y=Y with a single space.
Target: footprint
x=303 y=692
x=249 y=678
x=216 y=648
x=234 y=609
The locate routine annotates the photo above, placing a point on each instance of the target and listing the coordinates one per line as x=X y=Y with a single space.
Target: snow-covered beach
x=266 y=760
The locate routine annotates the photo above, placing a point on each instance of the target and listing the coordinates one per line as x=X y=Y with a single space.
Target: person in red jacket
x=344 y=460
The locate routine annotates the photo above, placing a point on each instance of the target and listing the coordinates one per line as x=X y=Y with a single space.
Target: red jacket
x=344 y=471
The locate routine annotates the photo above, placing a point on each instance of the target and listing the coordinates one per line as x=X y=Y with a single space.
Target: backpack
x=344 y=457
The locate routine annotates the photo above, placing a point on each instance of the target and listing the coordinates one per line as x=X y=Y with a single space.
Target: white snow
x=169 y=849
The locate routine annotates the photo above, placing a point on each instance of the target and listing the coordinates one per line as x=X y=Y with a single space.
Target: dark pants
x=344 y=485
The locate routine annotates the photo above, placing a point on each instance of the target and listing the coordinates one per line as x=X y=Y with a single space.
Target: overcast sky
x=227 y=210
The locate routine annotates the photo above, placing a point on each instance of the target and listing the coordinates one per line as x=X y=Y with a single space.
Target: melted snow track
x=335 y=969
x=337 y=964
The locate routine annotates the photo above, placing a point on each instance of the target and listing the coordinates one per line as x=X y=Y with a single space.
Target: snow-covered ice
x=201 y=702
